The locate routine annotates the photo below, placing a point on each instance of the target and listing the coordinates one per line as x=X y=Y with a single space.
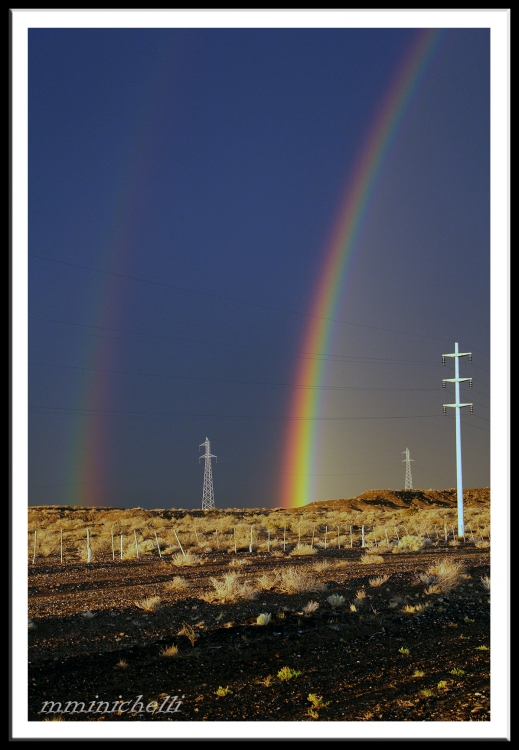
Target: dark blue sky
x=183 y=184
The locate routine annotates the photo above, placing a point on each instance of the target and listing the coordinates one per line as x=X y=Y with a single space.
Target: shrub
x=188 y=559
x=303 y=549
x=378 y=581
x=445 y=575
x=169 y=651
x=223 y=691
x=177 y=584
x=372 y=559
x=294 y=581
x=409 y=543
x=150 y=604
x=230 y=589
x=335 y=600
x=263 y=618
x=189 y=632
x=285 y=674
x=310 y=607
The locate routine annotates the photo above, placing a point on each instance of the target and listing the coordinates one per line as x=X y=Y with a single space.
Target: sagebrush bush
x=230 y=589
x=295 y=581
x=409 y=543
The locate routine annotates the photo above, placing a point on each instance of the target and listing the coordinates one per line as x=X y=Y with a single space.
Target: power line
x=235 y=299
x=243 y=382
x=35 y=409
x=298 y=355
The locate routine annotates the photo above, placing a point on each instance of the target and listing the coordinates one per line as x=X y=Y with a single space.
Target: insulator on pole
x=471 y=409
x=444 y=385
x=470 y=383
x=470 y=359
x=443 y=360
x=445 y=410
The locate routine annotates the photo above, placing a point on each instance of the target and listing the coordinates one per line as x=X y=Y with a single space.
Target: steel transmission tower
x=457 y=380
x=208 y=495
x=408 y=477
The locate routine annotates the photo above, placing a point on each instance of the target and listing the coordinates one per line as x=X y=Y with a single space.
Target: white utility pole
x=457 y=380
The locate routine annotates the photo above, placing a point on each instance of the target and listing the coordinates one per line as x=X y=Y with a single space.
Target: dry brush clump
x=294 y=581
x=186 y=560
x=230 y=588
x=372 y=559
x=177 y=583
x=303 y=549
x=150 y=604
x=442 y=577
x=409 y=543
x=378 y=581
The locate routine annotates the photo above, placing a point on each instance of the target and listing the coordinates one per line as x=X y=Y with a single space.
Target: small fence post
x=250 y=545
x=113 y=546
x=35 y=543
x=234 y=529
x=338 y=538
x=178 y=540
x=268 y=540
x=313 y=536
x=363 y=540
x=61 y=545
x=351 y=539
x=89 y=548
x=326 y=537
x=284 y=538
x=136 y=544
x=121 y=540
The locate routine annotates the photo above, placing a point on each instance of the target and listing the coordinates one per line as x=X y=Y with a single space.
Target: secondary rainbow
x=300 y=438
x=92 y=437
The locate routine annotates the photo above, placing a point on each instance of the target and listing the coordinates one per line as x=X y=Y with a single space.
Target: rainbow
x=92 y=434
x=300 y=439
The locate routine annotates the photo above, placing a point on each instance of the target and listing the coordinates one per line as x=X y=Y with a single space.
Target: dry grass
x=169 y=651
x=230 y=589
x=150 y=604
x=295 y=581
x=266 y=581
x=263 y=618
x=189 y=632
x=303 y=549
x=378 y=581
x=188 y=559
x=485 y=580
x=310 y=607
x=446 y=575
x=321 y=566
x=409 y=543
x=372 y=559
x=335 y=600
x=178 y=583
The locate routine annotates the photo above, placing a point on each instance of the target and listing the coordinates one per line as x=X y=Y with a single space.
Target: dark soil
x=378 y=663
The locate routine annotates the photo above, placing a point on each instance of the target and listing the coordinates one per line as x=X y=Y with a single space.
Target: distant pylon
x=208 y=494
x=408 y=477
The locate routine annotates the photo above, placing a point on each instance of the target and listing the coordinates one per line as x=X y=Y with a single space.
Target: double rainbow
x=300 y=440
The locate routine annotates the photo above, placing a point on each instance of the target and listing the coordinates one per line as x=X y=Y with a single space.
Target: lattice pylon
x=408 y=477
x=208 y=493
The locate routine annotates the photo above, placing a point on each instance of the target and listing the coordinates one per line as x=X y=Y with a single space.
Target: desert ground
x=362 y=609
